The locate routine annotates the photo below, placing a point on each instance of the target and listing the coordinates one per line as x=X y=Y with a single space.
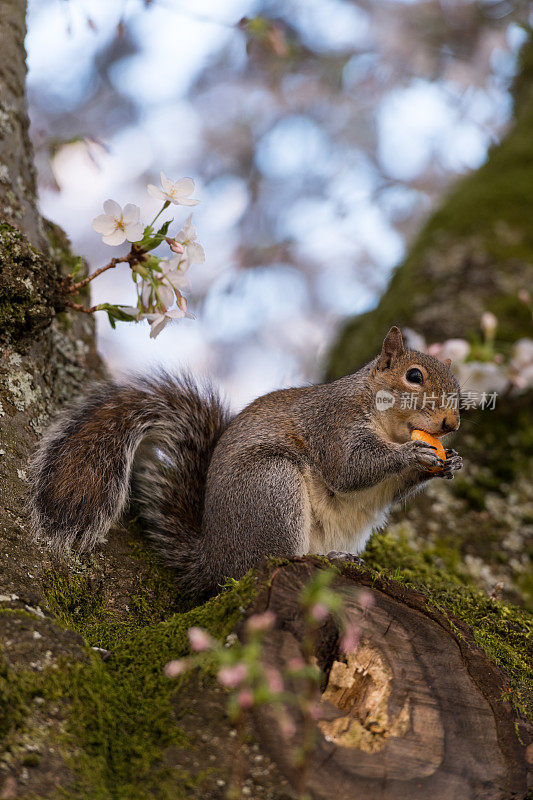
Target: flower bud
x=175 y=246
x=319 y=612
x=199 y=639
x=232 y=676
x=261 y=622
x=245 y=698
x=489 y=323
x=175 y=668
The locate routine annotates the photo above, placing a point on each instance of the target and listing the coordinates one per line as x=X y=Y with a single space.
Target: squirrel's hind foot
x=340 y=555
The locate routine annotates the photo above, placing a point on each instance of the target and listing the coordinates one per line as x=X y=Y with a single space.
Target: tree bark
x=18 y=193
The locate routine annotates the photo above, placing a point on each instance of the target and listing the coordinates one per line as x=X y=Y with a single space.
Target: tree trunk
x=18 y=195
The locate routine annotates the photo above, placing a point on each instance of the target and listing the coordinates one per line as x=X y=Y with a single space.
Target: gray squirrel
x=306 y=470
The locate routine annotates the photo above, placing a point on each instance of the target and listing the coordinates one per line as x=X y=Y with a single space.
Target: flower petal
x=166 y=183
x=155 y=191
x=195 y=253
x=184 y=201
x=112 y=209
x=145 y=293
x=131 y=214
x=175 y=313
x=157 y=325
x=132 y=311
x=133 y=233
x=165 y=295
x=104 y=224
x=185 y=186
x=115 y=238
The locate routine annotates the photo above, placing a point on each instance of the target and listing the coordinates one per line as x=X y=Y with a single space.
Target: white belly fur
x=345 y=521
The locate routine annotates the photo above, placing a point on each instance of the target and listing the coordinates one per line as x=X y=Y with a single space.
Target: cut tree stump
x=415 y=712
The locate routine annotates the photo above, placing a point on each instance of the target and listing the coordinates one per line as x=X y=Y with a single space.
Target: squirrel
x=302 y=470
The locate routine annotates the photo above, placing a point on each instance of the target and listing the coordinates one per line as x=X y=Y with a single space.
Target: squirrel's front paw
x=454 y=462
x=424 y=455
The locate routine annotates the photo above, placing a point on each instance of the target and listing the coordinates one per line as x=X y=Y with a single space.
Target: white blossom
x=177 y=193
x=160 y=319
x=187 y=236
x=455 y=349
x=174 y=271
x=117 y=225
x=522 y=354
x=481 y=376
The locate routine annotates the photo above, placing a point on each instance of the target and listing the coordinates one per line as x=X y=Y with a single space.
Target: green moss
x=28 y=286
x=503 y=631
x=120 y=718
x=13 y=701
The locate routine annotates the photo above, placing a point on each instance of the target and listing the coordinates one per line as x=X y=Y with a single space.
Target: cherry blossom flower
x=455 y=349
x=319 y=612
x=274 y=680
x=159 y=320
x=176 y=193
x=175 y=668
x=188 y=237
x=173 y=271
x=199 y=639
x=245 y=698
x=232 y=676
x=350 y=640
x=481 y=376
x=117 y=225
x=261 y=622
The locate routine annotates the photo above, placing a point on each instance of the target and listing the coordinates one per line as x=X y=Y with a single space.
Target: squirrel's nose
x=450 y=423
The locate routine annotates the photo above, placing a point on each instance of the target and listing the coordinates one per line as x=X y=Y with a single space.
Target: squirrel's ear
x=392 y=348
x=447 y=362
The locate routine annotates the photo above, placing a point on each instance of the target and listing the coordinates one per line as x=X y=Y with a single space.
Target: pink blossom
x=350 y=640
x=175 y=668
x=199 y=639
x=295 y=664
x=245 y=698
x=319 y=612
x=315 y=711
x=274 y=680
x=365 y=600
x=287 y=726
x=261 y=622
x=232 y=676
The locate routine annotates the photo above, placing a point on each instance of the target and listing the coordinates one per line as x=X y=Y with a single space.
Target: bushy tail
x=82 y=471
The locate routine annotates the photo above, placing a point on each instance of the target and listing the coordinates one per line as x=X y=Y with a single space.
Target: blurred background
x=320 y=135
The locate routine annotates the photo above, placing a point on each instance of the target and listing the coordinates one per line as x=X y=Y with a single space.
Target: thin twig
x=113 y=263
x=237 y=773
x=79 y=307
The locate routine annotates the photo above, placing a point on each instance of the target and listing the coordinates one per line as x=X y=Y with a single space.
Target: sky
x=336 y=204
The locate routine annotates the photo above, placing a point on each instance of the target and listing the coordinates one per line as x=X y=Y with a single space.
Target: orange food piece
x=422 y=436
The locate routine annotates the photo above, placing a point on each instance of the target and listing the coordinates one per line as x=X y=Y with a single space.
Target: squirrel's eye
x=414 y=375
